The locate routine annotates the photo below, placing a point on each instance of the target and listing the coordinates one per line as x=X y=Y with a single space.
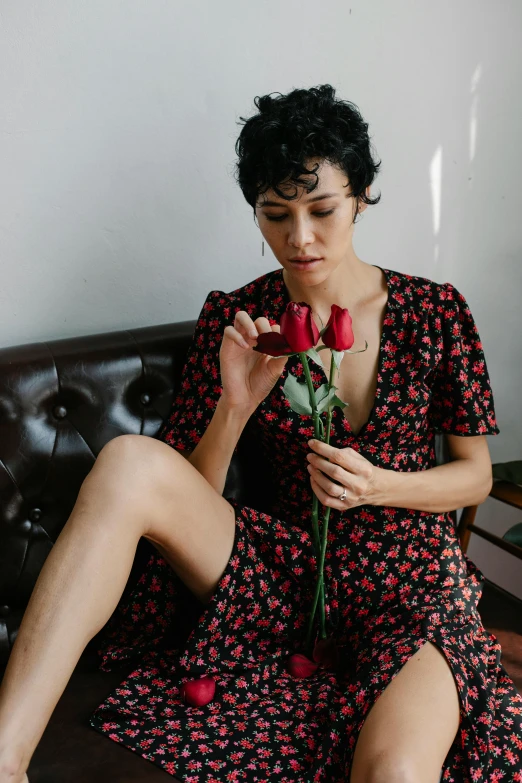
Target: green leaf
x=362 y=349
x=297 y=395
x=336 y=401
x=325 y=403
x=329 y=401
x=337 y=357
x=303 y=410
x=314 y=356
x=321 y=393
x=321 y=427
x=514 y=535
x=508 y=471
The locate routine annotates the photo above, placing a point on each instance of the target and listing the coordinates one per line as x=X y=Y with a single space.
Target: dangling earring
x=262 y=248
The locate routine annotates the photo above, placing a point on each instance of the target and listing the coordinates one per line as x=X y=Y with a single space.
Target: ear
x=362 y=204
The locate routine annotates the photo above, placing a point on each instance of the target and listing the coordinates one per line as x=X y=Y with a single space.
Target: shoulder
x=424 y=295
x=219 y=308
x=251 y=297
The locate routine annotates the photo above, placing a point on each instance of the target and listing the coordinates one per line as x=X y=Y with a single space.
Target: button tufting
x=35 y=514
x=145 y=399
x=60 y=411
x=4 y=611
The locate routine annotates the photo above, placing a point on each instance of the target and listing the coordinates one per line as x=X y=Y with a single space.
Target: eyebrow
x=314 y=198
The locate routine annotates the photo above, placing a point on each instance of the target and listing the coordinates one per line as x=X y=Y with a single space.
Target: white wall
x=118 y=207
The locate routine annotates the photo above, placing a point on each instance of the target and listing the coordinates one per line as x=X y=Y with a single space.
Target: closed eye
x=279 y=218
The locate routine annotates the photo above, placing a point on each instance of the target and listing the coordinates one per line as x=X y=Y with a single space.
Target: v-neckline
x=380 y=362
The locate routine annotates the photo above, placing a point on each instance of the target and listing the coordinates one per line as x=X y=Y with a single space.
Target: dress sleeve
x=462 y=398
x=200 y=385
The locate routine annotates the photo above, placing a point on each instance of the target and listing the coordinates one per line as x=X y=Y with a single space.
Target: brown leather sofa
x=60 y=402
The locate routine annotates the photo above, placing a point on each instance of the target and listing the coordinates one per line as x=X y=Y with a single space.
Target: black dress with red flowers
x=395 y=578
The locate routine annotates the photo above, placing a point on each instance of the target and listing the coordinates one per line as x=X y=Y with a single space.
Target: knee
x=134 y=462
x=388 y=766
x=135 y=452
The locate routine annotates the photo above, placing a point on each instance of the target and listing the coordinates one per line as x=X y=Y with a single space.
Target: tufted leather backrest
x=60 y=403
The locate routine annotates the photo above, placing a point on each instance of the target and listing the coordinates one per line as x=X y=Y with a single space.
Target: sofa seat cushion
x=71 y=750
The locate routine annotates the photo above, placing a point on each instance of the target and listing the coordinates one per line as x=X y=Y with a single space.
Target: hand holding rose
x=248 y=373
x=248 y=376
x=334 y=470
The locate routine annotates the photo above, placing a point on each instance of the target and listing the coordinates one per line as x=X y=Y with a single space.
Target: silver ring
x=343 y=496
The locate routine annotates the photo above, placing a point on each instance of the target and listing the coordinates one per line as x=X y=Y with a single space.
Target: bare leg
x=410 y=728
x=138 y=487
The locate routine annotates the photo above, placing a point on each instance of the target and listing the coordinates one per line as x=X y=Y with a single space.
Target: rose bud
x=198 y=692
x=298 y=332
x=338 y=335
x=300 y=666
x=326 y=653
x=298 y=327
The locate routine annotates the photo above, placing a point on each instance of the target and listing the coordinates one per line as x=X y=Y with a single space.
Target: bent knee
x=128 y=452
x=135 y=464
x=390 y=766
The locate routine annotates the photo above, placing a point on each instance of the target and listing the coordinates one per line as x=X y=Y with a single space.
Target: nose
x=300 y=235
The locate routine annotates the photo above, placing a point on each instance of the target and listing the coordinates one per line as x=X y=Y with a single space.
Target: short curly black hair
x=274 y=144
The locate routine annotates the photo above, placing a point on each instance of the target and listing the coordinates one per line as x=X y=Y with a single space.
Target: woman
x=420 y=690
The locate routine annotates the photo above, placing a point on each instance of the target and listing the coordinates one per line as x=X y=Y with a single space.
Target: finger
x=322 y=448
x=331 y=469
x=232 y=334
x=355 y=482
x=244 y=324
x=276 y=363
x=344 y=457
x=330 y=487
x=262 y=325
x=324 y=498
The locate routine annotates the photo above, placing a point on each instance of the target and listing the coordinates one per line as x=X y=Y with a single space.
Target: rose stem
x=324 y=530
x=324 y=526
x=315 y=501
x=317 y=436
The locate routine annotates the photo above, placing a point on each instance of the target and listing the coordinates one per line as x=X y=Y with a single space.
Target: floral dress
x=395 y=578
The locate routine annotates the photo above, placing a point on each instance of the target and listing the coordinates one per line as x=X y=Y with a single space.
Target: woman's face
x=310 y=225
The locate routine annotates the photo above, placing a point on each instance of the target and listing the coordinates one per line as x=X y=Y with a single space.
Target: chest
x=357 y=377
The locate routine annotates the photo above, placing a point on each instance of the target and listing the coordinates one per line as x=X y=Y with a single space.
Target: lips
x=305 y=258
x=304 y=266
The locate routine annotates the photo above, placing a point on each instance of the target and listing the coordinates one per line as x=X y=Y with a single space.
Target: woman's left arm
x=464 y=481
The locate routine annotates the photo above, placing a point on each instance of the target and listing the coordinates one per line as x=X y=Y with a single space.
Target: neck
x=348 y=285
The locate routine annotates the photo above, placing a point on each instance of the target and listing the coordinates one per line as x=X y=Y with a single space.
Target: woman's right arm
x=213 y=454
x=246 y=378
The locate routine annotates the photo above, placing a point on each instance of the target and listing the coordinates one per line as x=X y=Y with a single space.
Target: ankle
x=12 y=768
x=13 y=778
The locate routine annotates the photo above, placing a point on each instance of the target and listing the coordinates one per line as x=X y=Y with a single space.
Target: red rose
x=198 y=692
x=300 y=666
x=298 y=332
x=338 y=335
x=298 y=327
x=326 y=653
x=273 y=344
